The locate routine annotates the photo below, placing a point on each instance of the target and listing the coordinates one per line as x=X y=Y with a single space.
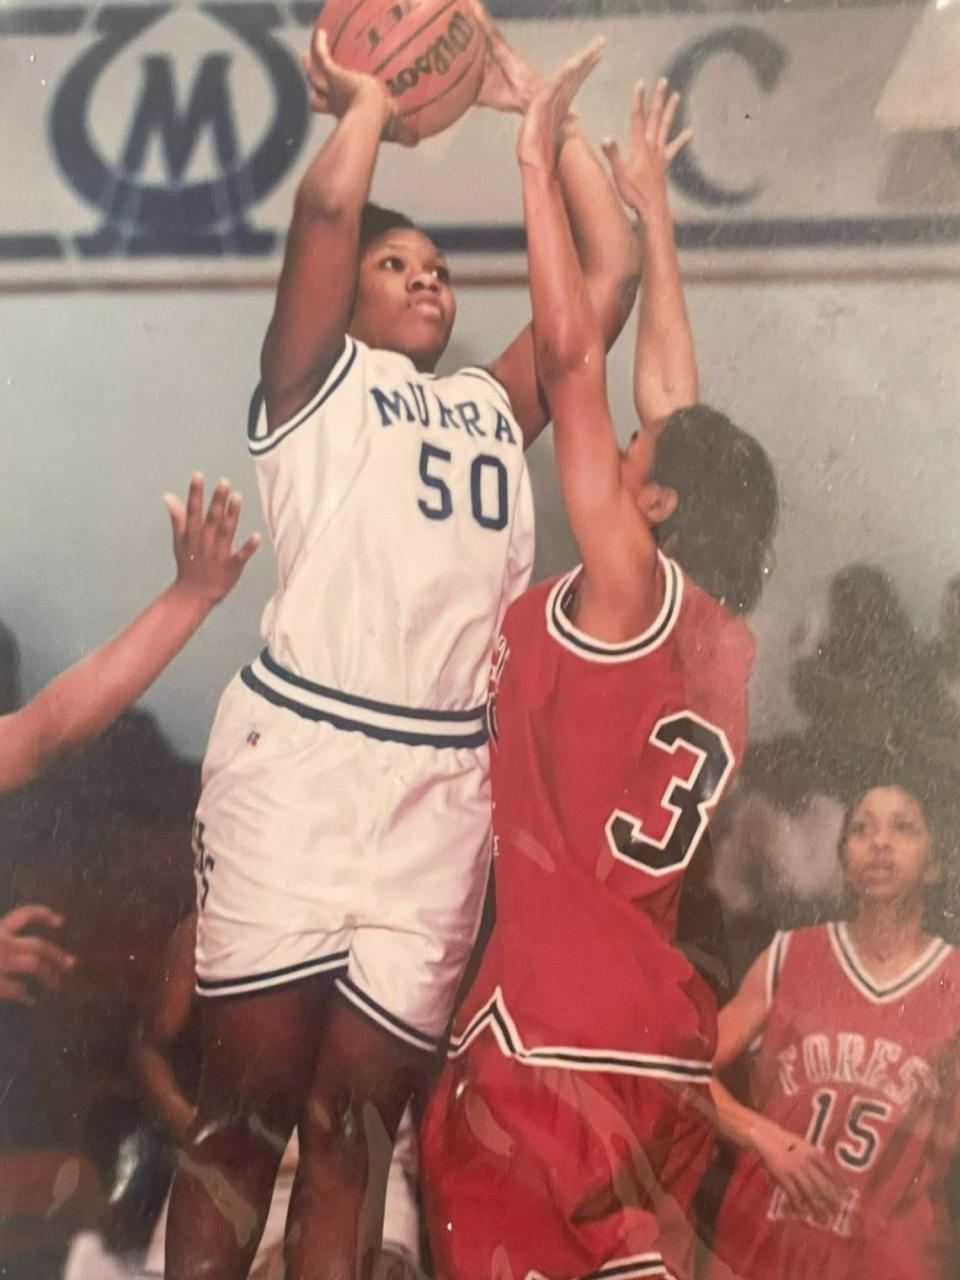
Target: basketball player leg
x=361 y=1084
x=259 y=1053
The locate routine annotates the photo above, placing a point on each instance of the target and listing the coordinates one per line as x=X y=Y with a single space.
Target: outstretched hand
x=546 y=119
x=30 y=963
x=207 y=564
x=332 y=89
x=509 y=81
x=641 y=175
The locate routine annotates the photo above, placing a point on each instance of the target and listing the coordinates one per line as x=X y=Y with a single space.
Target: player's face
x=404 y=300
x=887 y=855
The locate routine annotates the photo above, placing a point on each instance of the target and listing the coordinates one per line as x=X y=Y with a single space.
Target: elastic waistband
x=384 y=721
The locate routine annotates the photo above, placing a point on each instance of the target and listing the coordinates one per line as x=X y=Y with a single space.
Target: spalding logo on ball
x=429 y=54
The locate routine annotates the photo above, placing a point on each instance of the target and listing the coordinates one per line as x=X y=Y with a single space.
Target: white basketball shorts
x=325 y=845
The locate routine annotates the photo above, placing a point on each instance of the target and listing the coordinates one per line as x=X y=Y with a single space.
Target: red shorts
x=543 y=1172
x=763 y=1238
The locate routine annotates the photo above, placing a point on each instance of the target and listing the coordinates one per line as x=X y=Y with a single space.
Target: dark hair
x=9 y=671
x=728 y=503
x=905 y=784
x=935 y=793
x=376 y=221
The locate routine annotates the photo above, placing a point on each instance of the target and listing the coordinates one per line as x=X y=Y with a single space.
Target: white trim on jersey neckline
x=778 y=954
x=640 y=1266
x=495 y=1015
x=883 y=992
x=592 y=650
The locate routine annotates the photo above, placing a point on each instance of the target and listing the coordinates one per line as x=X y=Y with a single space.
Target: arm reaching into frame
x=79 y=704
x=665 y=364
x=793 y=1162
x=606 y=246
x=166 y=1017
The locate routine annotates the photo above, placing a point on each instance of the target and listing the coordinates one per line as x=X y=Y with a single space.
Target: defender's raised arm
x=665 y=366
x=606 y=246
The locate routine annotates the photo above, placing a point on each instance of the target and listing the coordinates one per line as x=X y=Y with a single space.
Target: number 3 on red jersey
x=687 y=799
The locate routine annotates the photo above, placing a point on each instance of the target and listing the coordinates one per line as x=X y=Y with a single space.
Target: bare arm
x=163 y=1025
x=318 y=279
x=620 y=582
x=606 y=245
x=79 y=704
x=665 y=366
x=789 y=1158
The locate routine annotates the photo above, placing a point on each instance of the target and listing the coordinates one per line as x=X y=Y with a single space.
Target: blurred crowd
x=96 y=876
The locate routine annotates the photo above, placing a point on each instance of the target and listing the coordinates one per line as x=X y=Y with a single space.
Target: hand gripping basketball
x=429 y=56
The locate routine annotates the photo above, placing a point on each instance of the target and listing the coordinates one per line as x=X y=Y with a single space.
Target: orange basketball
x=429 y=54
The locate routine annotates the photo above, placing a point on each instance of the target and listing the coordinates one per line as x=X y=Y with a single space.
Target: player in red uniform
x=618 y=711
x=856 y=1081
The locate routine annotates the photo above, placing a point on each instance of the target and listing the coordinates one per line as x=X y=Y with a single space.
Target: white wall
x=108 y=399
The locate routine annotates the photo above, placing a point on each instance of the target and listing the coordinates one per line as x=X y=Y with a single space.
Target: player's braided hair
x=728 y=504
x=376 y=221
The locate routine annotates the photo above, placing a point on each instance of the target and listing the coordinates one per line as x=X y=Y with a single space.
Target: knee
x=341 y=1127
x=254 y=1126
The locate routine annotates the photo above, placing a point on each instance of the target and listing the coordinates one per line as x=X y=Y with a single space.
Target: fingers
x=666 y=120
x=655 y=114
x=30 y=913
x=15 y=992
x=248 y=549
x=38 y=959
x=679 y=142
x=576 y=69
x=229 y=520
x=320 y=50
x=216 y=512
x=482 y=18
x=638 y=114
x=194 y=521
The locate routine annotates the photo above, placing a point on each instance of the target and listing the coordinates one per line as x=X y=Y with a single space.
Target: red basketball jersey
x=607 y=760
x=867 y=1072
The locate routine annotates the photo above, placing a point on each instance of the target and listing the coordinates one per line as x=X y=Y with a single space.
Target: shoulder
x=481 y=376
x=347 y=368
x=529 y=610
x=793 y=952
x=713 y=630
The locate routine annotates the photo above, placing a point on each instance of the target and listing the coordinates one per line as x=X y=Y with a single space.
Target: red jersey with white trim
x=607 y=761
x=867 y=1072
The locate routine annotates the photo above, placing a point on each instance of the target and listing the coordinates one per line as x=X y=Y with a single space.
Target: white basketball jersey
x=401 y=516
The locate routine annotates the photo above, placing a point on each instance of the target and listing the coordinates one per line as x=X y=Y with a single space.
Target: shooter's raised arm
x=319 y=275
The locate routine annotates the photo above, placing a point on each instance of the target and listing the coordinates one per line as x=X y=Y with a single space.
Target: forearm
x=337 y=181
x=665 y=365
x=161 y=1090
x=566 y=331
x=79 y=704
x=739 y=1124
x=607 y=246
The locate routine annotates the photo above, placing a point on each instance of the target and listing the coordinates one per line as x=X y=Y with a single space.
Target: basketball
x=428 y=53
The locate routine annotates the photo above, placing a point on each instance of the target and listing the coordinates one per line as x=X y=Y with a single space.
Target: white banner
x=160 y=144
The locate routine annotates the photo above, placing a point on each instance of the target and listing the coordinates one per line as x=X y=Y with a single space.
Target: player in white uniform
x=342 y=835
